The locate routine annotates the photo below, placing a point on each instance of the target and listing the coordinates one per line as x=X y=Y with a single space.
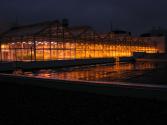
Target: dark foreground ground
x=32 y=105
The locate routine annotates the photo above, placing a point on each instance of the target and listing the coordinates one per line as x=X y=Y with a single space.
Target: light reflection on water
x=107 y=72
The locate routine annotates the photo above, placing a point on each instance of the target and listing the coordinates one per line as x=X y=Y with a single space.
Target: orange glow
x=25 y=51
x=98 y=72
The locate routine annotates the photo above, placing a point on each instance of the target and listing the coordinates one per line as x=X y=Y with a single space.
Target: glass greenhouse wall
x=60 y=50
x=58 y=43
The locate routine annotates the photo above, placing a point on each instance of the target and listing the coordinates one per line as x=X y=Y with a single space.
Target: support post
x=50 y=47
x=0 y=50
x=34 y=41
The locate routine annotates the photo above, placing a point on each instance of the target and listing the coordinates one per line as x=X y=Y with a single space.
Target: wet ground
x=24 y=104
x=139 y=72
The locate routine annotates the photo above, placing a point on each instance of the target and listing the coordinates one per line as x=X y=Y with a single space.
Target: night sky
x=132 y=15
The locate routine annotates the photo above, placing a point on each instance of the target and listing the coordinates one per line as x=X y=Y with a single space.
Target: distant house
x=159 y=37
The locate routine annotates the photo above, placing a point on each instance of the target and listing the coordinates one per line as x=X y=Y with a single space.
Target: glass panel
x=60 y=54
x=54 y=54
x=39 y=54
x=47 y=54
x=67 y=54
x=27 y=54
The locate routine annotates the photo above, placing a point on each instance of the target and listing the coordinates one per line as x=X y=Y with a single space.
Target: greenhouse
x=53 y=41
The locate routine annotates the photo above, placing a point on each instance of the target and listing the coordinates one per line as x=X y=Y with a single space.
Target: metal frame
x=87 y=44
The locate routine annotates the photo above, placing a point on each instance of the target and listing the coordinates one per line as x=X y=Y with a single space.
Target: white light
x=45 y=42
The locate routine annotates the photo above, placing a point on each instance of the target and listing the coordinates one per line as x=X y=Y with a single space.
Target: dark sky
x=132 y=15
